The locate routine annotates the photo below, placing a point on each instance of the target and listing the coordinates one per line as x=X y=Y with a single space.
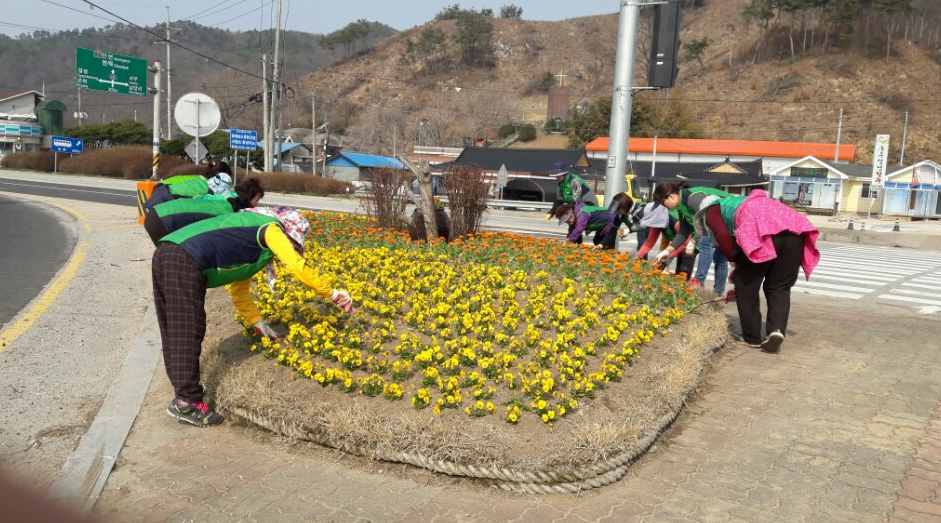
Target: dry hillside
x=381 y=101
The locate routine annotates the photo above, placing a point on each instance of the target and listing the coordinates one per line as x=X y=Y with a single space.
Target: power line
x=162 y=38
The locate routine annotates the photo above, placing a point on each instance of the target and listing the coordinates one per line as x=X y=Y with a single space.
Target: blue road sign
x=62 y=144
x=245 y=140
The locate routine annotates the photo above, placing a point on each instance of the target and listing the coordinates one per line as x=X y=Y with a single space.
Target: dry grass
x=616 y=421
x=33 y=161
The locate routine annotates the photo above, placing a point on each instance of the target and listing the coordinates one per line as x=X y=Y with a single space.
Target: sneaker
x=773 y=342
x=693 y=282
x=198 y=414
x=752 y=344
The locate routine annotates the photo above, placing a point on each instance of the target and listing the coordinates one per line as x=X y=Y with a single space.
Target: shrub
x=131 y=162
x=301 y=183
x=387 y=196
x=527 y=133
x=35 y=160
x=467 y=190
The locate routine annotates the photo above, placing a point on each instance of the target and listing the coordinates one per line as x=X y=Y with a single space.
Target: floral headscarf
x=294 y=225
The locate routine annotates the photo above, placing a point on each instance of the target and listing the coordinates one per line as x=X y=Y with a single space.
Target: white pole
x=156 y=131
x=904 y=133
x=169 y=92
x=839 y=131
x=619 y=134
x=264 y=110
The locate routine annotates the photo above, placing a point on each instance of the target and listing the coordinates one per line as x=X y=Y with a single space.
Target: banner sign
x=879 y=157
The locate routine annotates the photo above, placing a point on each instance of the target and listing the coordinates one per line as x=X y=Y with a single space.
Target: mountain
x=748 y=84
x=225 y=64
x=773 y=75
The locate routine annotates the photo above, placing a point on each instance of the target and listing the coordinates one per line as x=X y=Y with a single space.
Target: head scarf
x=220 y=183
x=294 y=225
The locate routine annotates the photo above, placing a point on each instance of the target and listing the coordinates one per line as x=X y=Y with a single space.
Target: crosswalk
x=876 y=274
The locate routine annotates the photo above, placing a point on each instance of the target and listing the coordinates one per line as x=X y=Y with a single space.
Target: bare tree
x=467 y=189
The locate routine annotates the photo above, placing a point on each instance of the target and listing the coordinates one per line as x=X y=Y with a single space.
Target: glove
x=662 y=258
x=265 y=331
x=342 y=299
x=690 y=247
x=549 y=217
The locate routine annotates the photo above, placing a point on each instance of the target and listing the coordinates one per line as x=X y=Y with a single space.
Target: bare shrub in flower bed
x=533 y=364
x=131 y=162
x=387 y=196
x=467 y=190
x=34 y=161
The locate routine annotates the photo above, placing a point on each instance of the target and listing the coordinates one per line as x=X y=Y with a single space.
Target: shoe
x=773 y=342
x=694 y=283
x=752 y=344
x=198 y=414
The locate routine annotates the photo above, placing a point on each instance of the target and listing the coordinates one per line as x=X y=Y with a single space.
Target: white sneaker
x=773 y=342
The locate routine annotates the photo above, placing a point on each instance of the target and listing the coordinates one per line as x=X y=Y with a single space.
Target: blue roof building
x=350 y=167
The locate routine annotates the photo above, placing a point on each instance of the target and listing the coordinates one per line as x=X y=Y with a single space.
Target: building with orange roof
x=772 y=154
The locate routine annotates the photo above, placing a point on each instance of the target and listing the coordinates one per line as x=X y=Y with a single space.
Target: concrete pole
x=276 y=89
x=904 y=135
x=628 y=24
x=839 y=131
x=264 y=111
x=313 y=135
x=156 y=133
x=169 y=91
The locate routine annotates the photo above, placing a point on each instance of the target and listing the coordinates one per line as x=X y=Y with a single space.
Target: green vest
x=686 y=213
x=670 y=230
x=226 y=248
x=728 y=207
x=567 y=187
x=192 y=186
x=193 y=205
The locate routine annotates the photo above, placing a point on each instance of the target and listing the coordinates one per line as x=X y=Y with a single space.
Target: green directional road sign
x=110 y=72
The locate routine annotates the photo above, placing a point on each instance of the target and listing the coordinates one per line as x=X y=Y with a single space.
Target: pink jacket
x=758 y=218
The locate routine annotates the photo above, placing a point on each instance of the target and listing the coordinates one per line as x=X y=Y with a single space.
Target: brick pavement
x=843 y=426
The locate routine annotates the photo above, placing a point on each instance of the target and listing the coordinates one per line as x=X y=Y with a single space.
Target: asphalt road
x=35 y=243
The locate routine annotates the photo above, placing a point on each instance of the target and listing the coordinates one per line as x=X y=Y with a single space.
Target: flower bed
x=526 y=324
x=535 y=364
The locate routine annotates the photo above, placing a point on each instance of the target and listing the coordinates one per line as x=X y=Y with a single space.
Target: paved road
x=35 y=245
x=877 y=274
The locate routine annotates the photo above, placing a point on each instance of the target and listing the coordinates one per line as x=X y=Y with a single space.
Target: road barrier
x=144 y=190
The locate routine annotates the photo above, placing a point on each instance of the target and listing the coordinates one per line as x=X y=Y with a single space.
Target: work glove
x=690 y=247
x=549 y=217
x=265 y=331
x=662 y=258
x=342 y=300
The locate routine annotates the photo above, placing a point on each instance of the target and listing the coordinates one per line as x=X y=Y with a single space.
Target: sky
x=313 y=16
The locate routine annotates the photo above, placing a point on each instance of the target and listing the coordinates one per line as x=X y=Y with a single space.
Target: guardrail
x=492 y=203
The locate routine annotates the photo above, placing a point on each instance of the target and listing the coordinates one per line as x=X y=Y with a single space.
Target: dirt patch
x=592 y=447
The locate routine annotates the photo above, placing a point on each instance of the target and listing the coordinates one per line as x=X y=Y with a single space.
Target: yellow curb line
x=41 y=304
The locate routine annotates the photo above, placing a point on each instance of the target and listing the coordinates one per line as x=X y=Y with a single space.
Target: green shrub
x=527 y=133
x=35 y=161
x=507 y=129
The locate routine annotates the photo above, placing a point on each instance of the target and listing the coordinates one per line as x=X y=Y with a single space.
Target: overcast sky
x=314 y=16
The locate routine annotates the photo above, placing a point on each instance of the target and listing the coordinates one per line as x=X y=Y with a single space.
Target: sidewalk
x=835 y=428
x=843 y=426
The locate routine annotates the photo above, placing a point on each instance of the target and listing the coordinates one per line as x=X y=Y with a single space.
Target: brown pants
x=180 y=298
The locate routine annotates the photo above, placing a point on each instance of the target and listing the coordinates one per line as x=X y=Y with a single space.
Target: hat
x=559 y=168
x=565 y=216
x=220 y=183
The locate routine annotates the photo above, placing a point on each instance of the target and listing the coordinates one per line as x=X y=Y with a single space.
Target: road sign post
x=113 y=73
x=63 y=144
x=243 y=140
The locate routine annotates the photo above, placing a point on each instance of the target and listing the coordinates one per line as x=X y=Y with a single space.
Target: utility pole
x=156 y=134
x=276 y=86
x=313 y=135
x=839 y=131
x=628 y=24
x=904 y=134
x=264 y=110
x=169 y=88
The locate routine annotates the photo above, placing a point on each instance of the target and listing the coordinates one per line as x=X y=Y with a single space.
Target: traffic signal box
x=666 y=45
